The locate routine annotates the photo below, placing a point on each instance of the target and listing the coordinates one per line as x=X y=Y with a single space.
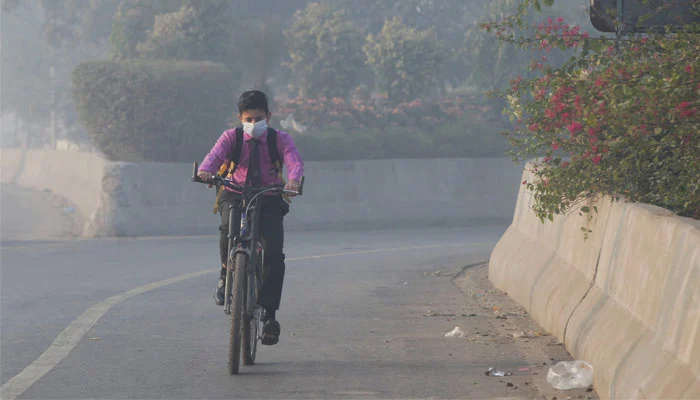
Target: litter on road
x=456 y=332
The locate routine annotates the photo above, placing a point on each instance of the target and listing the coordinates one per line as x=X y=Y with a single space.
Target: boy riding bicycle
x=259 y=148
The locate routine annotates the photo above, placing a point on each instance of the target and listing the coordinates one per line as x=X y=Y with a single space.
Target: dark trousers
x=272 y=212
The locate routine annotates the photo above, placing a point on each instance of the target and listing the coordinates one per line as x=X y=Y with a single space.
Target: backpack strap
x=272 y=148
x=235 y=154
x=275 y=157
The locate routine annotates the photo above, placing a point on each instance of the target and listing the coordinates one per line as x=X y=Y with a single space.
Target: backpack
x=235 y=155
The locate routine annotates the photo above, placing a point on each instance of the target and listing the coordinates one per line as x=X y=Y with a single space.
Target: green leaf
x=586 y=209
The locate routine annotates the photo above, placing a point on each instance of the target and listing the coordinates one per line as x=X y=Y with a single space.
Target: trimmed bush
x=153 y=110
x=448 y=127
x=448 y=141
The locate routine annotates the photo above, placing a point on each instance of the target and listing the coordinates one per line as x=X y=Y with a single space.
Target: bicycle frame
x=247 y=241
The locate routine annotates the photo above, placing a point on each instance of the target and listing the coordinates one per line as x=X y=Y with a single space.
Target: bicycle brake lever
x=195 y=169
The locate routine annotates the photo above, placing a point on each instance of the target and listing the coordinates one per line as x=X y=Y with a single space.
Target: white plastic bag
x=570 y=375
x=456 y=332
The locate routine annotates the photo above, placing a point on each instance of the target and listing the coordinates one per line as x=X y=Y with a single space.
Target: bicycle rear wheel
x=237 y=313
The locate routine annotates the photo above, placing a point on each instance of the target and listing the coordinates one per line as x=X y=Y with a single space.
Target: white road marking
x=74 y=333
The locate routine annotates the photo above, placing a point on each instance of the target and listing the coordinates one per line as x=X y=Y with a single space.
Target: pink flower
x=560 y=20
x=598 y=82
x=565 y=164
x=686 y=112
x=555 y=146
x=689 y=69
x=575 y=127
x=596 y=159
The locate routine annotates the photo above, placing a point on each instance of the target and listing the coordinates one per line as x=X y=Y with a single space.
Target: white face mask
x=255 y=129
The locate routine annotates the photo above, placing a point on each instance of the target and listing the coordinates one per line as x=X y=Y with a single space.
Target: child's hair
x=252 y=100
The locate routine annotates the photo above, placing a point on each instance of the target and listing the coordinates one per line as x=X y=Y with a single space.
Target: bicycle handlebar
x=218 y=180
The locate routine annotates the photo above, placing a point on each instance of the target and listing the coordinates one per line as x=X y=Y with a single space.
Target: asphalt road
x=34 y=215
x=364 y=315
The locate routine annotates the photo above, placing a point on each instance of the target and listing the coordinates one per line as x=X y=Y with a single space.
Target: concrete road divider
x=76 y=176
x=626 y=299
x=130 y=199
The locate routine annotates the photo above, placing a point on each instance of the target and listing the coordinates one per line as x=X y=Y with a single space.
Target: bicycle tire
x=251 y=324
x=237 y=303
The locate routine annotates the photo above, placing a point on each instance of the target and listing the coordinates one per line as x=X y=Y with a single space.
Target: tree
x=493 y=61
x=325 y=51
x=78 y=21
x=132 y=23
x=406 y=61
x=195 y=32
x=24 y=78
x=258 y=52
x=40 y=36
x=621 y=118
x=447 y=18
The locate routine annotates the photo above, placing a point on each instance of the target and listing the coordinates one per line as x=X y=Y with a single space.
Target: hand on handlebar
x=292 y=186
x=205 y=176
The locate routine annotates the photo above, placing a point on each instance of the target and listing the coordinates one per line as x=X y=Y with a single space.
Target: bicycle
x=244 y=284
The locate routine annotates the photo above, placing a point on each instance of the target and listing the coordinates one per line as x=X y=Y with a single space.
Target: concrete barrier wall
x=405 y=193
x=74 y=175
x=128 y=199
x=627 y=299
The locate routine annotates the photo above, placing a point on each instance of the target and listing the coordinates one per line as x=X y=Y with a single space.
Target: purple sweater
x=285 y=147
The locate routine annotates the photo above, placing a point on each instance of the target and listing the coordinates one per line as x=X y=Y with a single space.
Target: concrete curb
x=627 y=300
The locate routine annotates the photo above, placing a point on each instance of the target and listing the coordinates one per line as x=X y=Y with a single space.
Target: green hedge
x=153 y=110
x=464 y=125
x=446 y=141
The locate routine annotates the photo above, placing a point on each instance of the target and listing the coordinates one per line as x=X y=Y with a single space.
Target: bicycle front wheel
x=251 y=320
x=237 y=313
